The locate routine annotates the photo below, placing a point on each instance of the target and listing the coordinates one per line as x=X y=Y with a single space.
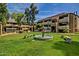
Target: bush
x=65 y=30
x=20 y=31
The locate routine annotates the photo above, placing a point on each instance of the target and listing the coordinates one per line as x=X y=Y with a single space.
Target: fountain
x=43 y=36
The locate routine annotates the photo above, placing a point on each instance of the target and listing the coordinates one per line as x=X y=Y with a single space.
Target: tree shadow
x=68 y=49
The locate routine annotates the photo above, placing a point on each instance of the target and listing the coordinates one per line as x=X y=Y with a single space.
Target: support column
x=73 y=23
x=56 y=27
x=57 y=24
x=68 y=24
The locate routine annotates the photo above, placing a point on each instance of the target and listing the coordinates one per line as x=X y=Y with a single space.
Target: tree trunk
x=42 y=34
x=19 y=28
x=33 y=26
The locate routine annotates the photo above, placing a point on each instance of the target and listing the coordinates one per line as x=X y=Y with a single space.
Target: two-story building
x=12 y=26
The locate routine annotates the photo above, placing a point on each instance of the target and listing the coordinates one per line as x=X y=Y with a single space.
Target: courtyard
x=16 y=45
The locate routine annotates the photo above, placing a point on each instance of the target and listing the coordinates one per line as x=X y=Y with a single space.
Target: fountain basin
x=46 y=37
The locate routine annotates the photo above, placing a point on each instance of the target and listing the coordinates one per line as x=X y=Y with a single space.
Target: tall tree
x=27 y=15
x=14 y=15
x=30 y=14
x=33 y=12
x=3 y=14
x=18 y=17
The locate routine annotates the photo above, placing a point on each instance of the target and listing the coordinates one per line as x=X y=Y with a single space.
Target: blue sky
x=45 y=9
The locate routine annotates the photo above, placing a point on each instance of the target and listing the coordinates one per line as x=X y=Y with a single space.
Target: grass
x=15 y=45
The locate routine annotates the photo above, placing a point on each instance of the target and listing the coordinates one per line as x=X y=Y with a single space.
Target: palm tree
x=3 y=14
x=18 y=20
x=18 y=17
x=27 y=15
x=33 y=12
x=14 y=15
x=30 y=14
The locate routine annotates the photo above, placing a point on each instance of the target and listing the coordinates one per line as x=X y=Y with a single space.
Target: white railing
x=47 y=27
x=54 y=24
x=47 y=22
x=11 y=25
x=65 y=19
x=63 y=27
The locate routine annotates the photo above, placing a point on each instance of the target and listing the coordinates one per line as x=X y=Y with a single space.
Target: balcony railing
x=47 y=22
x=17 y=25
x=47 y=27
x=65 y=19
x=39 y=23
x=63 y=27
x=11 y=25
x=53 y=24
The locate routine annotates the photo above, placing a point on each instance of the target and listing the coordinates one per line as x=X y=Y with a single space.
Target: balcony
x=40 y=23
x=65 y=19
x=47 y=29
x=63 y=27
x=53 y=24
x=24 y=26
x=47 y=22
x=11 y=25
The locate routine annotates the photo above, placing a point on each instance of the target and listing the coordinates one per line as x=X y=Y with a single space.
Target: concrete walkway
x=8 y=34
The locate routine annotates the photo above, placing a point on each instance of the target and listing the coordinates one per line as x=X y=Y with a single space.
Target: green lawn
x=15 y=45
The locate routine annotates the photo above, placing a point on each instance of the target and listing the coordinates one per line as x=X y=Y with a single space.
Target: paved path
x=8 y=34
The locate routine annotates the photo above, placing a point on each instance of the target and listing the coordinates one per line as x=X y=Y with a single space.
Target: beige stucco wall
x=77 y=23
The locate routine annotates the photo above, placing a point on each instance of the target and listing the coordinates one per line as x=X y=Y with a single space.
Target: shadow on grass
x=68 y=49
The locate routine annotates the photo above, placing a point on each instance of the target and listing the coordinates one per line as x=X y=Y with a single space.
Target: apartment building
x=12 y=26
x=64 y=22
